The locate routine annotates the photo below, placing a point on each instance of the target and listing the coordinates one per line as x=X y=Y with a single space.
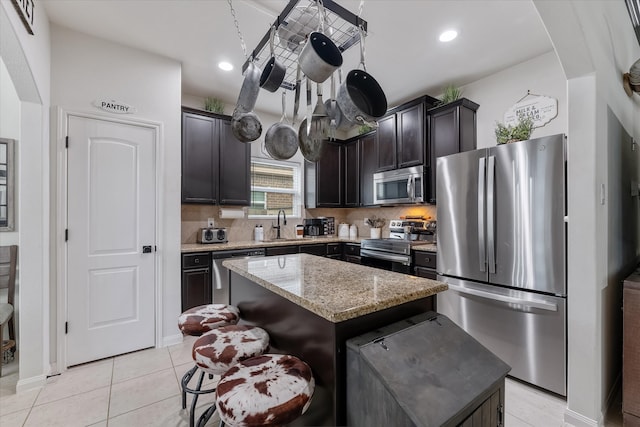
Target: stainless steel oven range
x=389 y=254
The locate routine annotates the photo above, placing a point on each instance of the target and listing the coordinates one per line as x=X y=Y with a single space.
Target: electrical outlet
x=210 y=222
x=364 y=222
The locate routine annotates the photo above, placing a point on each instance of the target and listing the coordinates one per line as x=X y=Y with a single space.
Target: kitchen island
x=311 y=306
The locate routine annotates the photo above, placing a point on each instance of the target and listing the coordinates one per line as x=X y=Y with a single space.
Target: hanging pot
x=245 y=125
x=360 y=97
x=320 y=57
x=281 y=140
x=273 y=73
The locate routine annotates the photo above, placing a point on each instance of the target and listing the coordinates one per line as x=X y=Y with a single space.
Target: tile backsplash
x=195 y=217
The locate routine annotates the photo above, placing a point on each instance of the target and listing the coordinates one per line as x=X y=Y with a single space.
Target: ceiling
x=402 y=48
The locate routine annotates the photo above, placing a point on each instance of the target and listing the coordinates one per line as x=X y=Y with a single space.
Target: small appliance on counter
x=212 y=235
x=413 y=228
x=343 y=230
x=321 y=226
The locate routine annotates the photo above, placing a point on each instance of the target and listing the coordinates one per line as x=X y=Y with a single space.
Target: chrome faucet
x=277 y=227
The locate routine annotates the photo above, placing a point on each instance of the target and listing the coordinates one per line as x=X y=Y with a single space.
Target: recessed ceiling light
x=225 y=66
x=449 y=35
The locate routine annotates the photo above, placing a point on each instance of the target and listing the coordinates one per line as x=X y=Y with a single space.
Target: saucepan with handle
x=273 y=73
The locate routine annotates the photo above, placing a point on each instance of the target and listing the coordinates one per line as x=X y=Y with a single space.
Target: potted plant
x=376 y=225
x=450 y=94
x=214 y=105
x=521 y=131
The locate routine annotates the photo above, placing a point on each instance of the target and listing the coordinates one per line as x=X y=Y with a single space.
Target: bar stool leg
x=206 y=415
x=185 y=380
x=194 y=401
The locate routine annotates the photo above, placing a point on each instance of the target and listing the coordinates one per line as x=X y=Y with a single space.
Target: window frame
x=296 y=191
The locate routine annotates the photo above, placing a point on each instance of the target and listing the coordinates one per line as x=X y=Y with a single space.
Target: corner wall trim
x=171 y=340
x=26 y=384
x=578 y=420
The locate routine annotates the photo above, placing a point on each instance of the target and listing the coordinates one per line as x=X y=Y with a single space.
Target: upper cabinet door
x=330 y=176
x=411 y=136
x=368 y=166
x=199 y=159
x=235 y=173
x=386 y=143
x=352 y=174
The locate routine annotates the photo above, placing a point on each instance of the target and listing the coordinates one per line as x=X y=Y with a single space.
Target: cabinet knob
x=196 y=261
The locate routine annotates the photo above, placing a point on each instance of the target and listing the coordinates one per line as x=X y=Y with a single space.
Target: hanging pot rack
x=295 y=21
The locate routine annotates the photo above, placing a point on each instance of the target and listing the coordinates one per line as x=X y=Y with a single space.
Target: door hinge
x=66 y=141
x=66 y=327
x=66 y=234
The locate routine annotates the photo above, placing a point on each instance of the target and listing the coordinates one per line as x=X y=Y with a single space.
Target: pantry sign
x=114 y=106
x=541 y=109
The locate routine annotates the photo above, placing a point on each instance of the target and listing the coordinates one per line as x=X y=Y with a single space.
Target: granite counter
x=252 y=244
x=334 y=290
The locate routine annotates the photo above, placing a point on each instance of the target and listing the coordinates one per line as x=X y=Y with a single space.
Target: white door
x=111 y=216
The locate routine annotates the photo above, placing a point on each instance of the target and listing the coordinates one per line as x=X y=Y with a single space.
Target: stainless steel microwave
x=399 y=186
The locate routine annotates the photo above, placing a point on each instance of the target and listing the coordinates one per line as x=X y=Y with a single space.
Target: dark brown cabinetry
x=215 y=165
x=324 y=179
x=352 y=174
x=281 y=250
x=401 y=136
x=368 y=166
x=334 y=250
x=319 y=249
x=425 y=264
x=352 y=253
x=452 y=129
x=196 y=280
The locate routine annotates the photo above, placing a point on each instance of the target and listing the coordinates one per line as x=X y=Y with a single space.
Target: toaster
x=212 y=235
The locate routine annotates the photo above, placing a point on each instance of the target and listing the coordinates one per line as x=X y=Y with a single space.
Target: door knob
x=146 y=249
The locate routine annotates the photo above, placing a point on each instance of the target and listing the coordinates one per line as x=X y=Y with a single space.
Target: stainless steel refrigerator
x=502 y=251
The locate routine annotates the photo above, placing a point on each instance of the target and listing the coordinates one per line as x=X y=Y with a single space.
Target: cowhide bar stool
x=267 y=390
x=217 y=351
x=195 y=322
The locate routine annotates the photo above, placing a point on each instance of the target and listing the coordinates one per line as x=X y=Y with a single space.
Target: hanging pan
x=245 y=124
x=281 y=140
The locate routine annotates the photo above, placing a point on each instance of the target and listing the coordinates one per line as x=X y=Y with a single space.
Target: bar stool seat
x=267 y=390
x=204 y=318
x=215 y=352
x=195 y=322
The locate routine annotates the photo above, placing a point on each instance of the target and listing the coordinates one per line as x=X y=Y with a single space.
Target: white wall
x=27 y=58
x=497 y=93
x=595 y=44
x=85 y=68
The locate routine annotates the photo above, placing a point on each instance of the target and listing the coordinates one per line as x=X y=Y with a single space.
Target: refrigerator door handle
x=482 y=255
x=542 y=305
x=491 y=214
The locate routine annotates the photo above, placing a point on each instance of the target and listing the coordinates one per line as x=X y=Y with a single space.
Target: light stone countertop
x=335 y=290
x=251 y=244
x=429 y=247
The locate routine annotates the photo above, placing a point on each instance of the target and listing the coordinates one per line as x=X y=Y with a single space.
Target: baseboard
x=31 y=383
x=578 y=420
x=171 y=340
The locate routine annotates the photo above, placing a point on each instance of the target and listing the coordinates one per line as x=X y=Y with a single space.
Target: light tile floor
x=143 y=389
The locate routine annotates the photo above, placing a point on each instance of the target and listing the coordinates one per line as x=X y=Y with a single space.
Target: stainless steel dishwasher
x=220 y=276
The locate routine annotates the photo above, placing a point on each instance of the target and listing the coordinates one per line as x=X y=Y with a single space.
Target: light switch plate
x=210 y=222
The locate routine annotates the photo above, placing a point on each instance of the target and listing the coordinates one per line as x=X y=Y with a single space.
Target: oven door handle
x=405 y=260
x=542 y=305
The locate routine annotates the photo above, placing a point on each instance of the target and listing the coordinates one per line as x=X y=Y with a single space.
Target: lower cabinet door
x=426 y=273
x=196 y=288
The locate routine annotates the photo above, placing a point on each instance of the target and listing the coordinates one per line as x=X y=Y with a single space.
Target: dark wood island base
x=297 y=331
